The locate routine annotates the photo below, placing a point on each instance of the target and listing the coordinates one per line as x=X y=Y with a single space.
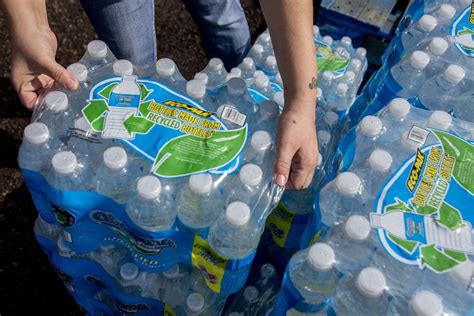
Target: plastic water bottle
x=129 y=279
x=461 y=107
x=343 y=196
x=110 y=257
x=422 y=303
x=63 y=249
x=245 y=187
x=114 y=175
x=436 y=49
x=363 y=294
x=352 y=244
x=216 y=73
x=278 y=80
x=248 y=68
x=230 y=116
x=150 y=209
x=256 y=53
x=67 y=174
x=361 y=54
x=349 y=78
x=246 y=302
x=340 y=101
x=58 y=115
x=267 y=285
x=355 y=65
x=259 y=150
x=267 y=117
x=265 y=40
x=328 y=40
x=444 y=15
x=262 y=85
x=195 y=305
x=80 y=72
x=196 y=89
x=167 y=72
x=202 y=77
x=46 y=230
x=439 y=92
x=122 y=67
x=346 y=42
x=199 y=204
x=317 y=33
x=324 y=142
x=378 y=169
x=418 y=34
x=97 y=55
x=311 y=272
x=236 y=94
x=279 y=98
x=234 y=235
x=325 y=81
x=37 y=148
x=270 y=66
x=396 y=114
x=175 y=283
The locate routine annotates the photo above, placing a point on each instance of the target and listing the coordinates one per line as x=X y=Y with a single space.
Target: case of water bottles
x=152 y=191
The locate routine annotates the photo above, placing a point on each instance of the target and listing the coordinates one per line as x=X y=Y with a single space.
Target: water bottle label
x=330 y=60
x=175 y=134
x=462 y=31
x=423 y=215
x=232 y=115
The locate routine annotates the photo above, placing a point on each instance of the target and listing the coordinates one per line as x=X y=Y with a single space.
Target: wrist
x=30 y=15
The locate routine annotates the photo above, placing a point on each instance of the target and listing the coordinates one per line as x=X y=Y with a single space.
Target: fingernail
x=280 y=180
x=71 y=84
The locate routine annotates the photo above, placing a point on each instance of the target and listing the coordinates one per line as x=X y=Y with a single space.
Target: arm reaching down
x=291 y=27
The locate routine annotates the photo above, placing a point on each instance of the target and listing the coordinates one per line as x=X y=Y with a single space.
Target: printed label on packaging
x=173 y=132
x=330 y=60
x=462 y=31
x=423 y=215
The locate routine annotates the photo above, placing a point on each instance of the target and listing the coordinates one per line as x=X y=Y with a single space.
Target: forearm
x=23 y=14
x=291 y=27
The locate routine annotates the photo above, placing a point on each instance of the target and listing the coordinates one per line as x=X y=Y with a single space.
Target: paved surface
x=26 y=279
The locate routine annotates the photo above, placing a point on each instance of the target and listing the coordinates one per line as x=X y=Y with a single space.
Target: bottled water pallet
x=152 y=192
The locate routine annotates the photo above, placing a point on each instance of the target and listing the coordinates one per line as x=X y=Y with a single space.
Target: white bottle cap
x=236 y=71
x=408 y=145
x=346 y=41
x=36 y=133
x=122 y=67
x=115 y=157
x=165 y=67
x=371 y=126
x=319 y=93
x=236 y=86
x=62 y=246
x=361 y=53
x=446 y=11
x=371 y=282
x=355 y=65
x=279 y=98
x=454 y=74
x=348 y=183
x=261 y=140
x=427 y=23
x=419 y=59
x=257 y=49
x=357 y=227
x=200 y=183
x=265 y=38
x=399 y=108
x=97 y=49
x=440 y=119
x=426 y=303
x=128 y=271
x=195 y=302
x=172 y=273
x=438 y=46
x=320 y=160
x=215 y=64
x=328 y=40
x=149 y=187
x=56 y=101
x=327 y=76
x=248 y=63
x=64 y=162
x=258 y=73
x=269 y=109
x=237 y=213
x=321 y=257
x=251 y=174
x=380 y=160
x=196 y=89
x=279 y=80
x=251 y=293
x=79 y=71
x=331 y=118
x=341 y=89
x=315 y=30
x=324 y=137
x=262 y=82
x=83 y=125
x=271 y=61
x=349 y=76
x=202 y=77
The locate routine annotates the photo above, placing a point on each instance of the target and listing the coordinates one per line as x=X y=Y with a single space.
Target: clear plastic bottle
x=216 y=73
x=80 y=72
x=352 y=244
x=248 y=68
x=326 y=81
x=114 y=176
x=202 y=77
x=168 y=73
x=236 y=94
x=396 y=114
x=175 y=284
x=129 y=279
x=97 y=55
x=57 y=115
x=328 y=40
x=267 y=117
x=44 y=229
x=37 y=148
x=195 y=304
x=122 y=67
x=110 y=257
x=361 y=54
x=256 y=53
x=259 y=150
x=63 y=248
x=67 y=174
x=340 y=101
x=198 y=203
x=376 y=171
x=444 y=15
x=363 y=294
x=245 y=187
x=419 y=33
x=270 y=66
x=196 y=89
x=265 y=40
x=279 y=98
x=149 y=208
x=409 y=75
x=262 y=86
x=436 y=49
x=342 y=196
x=234 y=235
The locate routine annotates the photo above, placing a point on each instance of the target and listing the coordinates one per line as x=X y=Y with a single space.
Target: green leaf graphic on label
x=332 y=64
x=456 y=255
x=190 y=154
x=435 y=259
x=93 y=112
x=463 y=153
x=425 y=210
x=407 y=245
x=399 y=205
x=450 y=217
x=107 y=90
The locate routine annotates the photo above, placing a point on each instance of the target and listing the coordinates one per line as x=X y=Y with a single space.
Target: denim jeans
x=128 y=28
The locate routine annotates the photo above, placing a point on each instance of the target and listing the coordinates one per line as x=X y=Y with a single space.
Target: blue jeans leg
x=128 y=28
x=223 y=27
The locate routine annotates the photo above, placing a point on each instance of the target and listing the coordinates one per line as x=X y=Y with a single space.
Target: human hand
x=34 y=67
x=297 y=149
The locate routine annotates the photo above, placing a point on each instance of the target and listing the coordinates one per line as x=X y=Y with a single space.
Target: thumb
x=282 y=167
x=60 y=75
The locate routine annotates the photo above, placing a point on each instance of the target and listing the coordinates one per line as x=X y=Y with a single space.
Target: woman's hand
x=297 y=148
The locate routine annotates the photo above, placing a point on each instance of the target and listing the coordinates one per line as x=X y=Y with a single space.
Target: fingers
x=60 y=75
x=31 y=87
x=285 y=153
x=302 y=169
